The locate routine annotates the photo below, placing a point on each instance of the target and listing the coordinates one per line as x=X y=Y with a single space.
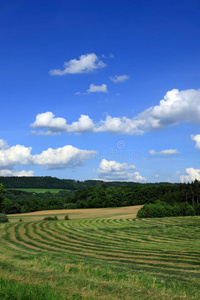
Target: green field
x=39 y=190
x=113 y=258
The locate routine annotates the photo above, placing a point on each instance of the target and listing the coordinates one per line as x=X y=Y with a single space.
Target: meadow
x=99 y=254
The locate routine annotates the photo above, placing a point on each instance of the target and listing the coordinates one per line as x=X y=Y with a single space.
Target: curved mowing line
x=51 y=240
x=124 y=249
x=17 y=241
x=105 y=249
x=119 y=240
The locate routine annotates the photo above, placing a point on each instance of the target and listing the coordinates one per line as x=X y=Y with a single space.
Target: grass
x=39 y=191
x=105 y=257
x=12 y=289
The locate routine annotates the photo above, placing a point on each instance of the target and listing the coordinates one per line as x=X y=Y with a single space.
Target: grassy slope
x=105 y=258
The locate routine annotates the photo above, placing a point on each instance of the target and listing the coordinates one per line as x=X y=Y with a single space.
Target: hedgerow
x=161 y=209
x=50 y=218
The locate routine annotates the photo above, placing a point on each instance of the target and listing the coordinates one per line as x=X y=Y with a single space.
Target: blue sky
x=104 y=90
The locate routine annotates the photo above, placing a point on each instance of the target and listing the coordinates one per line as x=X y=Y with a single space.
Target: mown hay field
x=104 y=257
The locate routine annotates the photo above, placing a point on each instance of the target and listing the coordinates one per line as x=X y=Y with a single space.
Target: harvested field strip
x=118 y=253
x=80 y=242
x=88 y=234
x=144 y=246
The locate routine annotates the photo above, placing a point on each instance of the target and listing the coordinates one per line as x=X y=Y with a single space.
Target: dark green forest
x=48 y=182
x=90 y=194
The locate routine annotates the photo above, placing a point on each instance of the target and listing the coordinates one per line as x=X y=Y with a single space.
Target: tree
x=2 y=191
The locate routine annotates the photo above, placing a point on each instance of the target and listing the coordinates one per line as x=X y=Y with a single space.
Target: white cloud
x=115 y=171
x=44 y=132
x=176 y=107
x=3 y=145
x=85 y=64
x=18 y=174
x=56 y=125
x=196 y=138
x=192 y=174
x=164 y=152
x=13 y=156
x=97 y=88
x=156 y=176
x=84 y=124
x=120 y=78
x=47 y=120
x=65 y=157
x=176 y=173
x=109 y=56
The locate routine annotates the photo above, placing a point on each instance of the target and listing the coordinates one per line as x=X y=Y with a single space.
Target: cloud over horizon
x=191 y=175
x=176 y=107
x=22 y=173
x=85 y=64
x=115 y=171
x=64 y=157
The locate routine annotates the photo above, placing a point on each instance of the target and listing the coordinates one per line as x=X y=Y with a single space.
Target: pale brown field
x=89 y=213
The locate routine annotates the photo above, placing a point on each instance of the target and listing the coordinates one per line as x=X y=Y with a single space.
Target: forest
x=108 y=194
x=48 y=182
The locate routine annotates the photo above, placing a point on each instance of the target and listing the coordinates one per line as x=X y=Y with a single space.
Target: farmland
x=101 y=254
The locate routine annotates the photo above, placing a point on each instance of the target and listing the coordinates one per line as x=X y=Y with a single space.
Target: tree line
x=16 y=201
x=48 y=182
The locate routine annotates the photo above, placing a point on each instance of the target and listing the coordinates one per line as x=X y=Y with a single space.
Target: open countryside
x=100 y=254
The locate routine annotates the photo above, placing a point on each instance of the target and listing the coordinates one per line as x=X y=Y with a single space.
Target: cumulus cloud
x=13 y=156
x=85 y=64
x=22 y=173
x=196 y=138
x=164 y=152
x=120 y=78
x=156 y=176
x=97 y=88
x=115 y=171
x=65 y=157
x=3 y=145
x=191 y=175
x=47 y=120
x=55 y=125
x=176 y=107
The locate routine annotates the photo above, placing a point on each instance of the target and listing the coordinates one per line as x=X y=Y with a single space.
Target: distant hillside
x=48 y=182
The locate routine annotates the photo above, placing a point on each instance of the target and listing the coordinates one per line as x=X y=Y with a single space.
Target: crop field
x=100 y=258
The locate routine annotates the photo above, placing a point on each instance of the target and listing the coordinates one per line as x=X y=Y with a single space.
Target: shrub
x=187 y=209
x=50 y=218
x=66 y=217
x=3 y=218
x=161 y=209
x=197 y=209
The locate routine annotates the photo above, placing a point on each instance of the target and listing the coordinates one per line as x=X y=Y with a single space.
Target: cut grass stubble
x=112 y=258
